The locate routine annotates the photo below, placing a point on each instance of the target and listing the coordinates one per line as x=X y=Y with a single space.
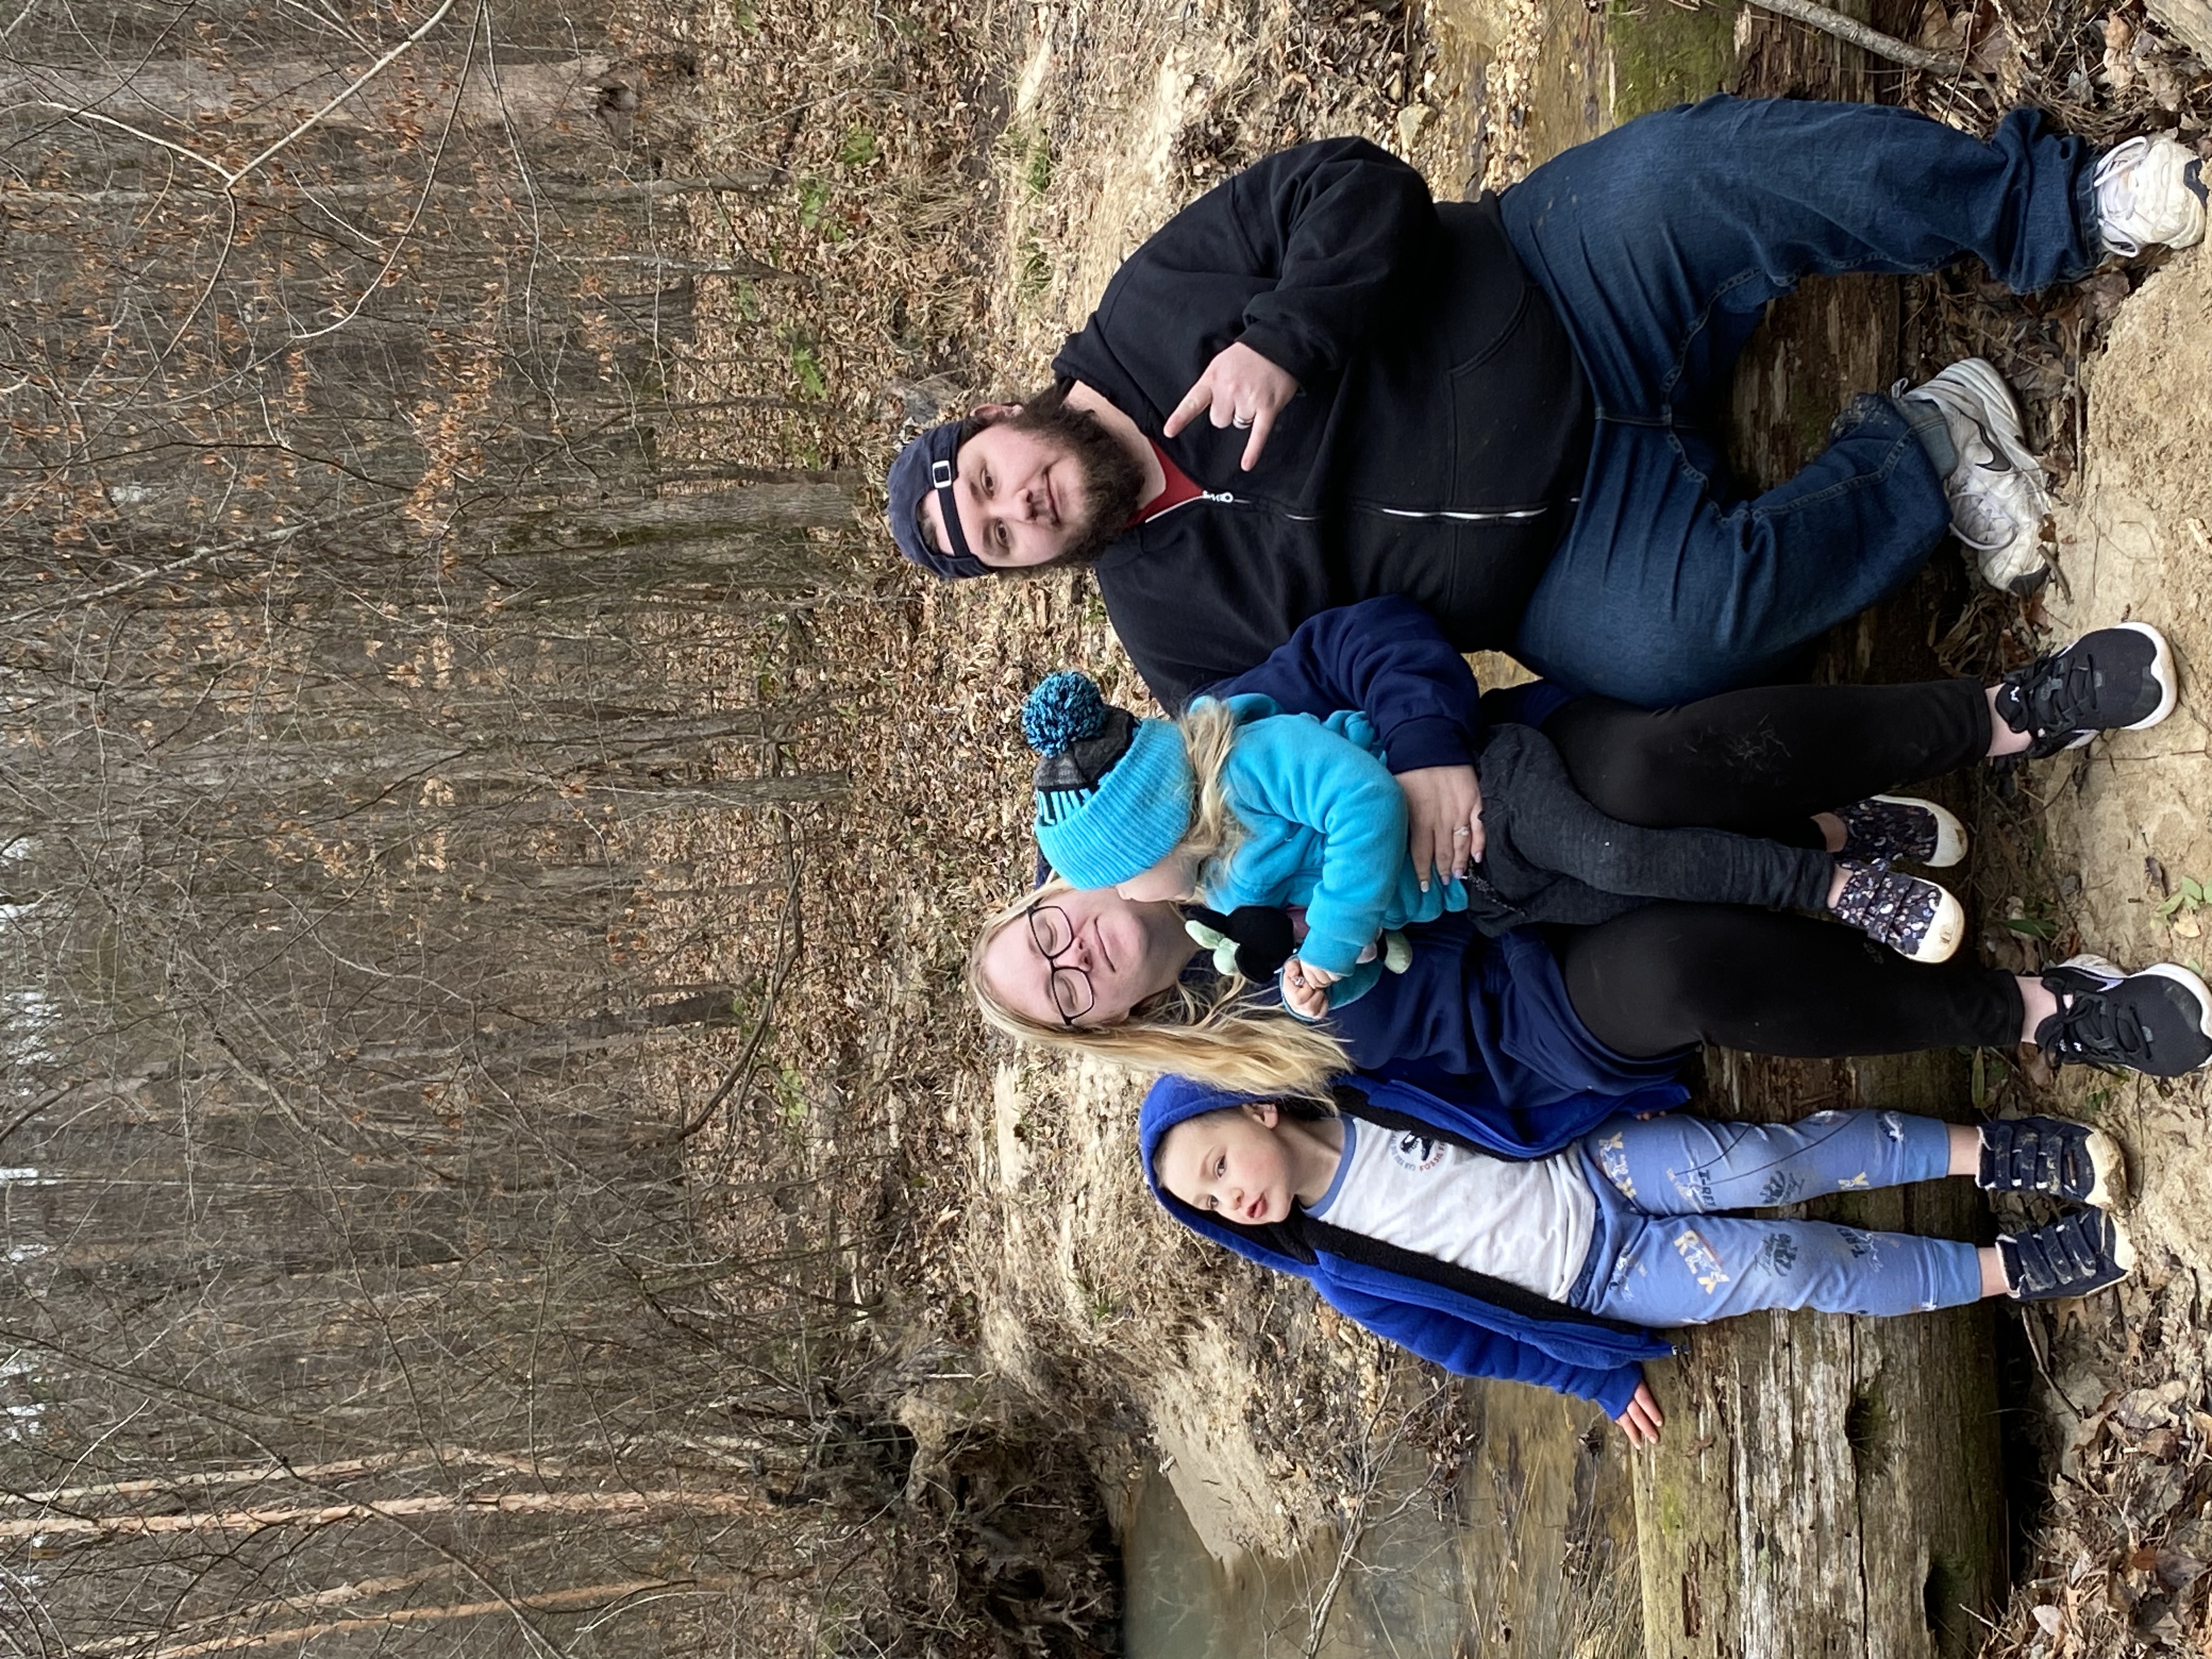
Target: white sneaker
x=1998 y=502
x=2149 y=193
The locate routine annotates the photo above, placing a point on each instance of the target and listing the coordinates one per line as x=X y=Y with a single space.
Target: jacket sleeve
x=1334 y=223
x=1386 y=658
x=1470 y=1351
x=1296 y=769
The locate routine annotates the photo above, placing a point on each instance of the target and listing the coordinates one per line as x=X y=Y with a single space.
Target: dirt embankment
x=941 y=243
x=2128 y=851
x=1083 y=1292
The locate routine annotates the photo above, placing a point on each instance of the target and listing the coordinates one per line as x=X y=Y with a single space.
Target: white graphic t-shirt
x=1529 y=1224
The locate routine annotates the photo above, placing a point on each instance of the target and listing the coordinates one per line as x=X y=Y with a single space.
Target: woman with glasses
x=1550 y=1017
x=1542 y=1015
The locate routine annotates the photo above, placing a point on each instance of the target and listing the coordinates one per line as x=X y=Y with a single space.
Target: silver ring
x=1461 y=832
x=1240 y=419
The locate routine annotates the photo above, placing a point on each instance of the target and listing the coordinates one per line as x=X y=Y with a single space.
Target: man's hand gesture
x=1239 y=388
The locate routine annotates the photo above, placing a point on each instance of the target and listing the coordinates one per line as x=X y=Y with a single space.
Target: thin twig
x=626 y=1503
x=1355 y=1525
x=75 y=113
x=362 y=80
x=230 y=177
x=430 y=184
x=17 y=21
x=1867 y=39
x=267 y=539
x=342 y=1594
x=787 y=953
x=584 y=1596
x=32 y=1111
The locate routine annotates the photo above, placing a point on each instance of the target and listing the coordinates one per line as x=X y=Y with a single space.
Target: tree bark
x=687 y=517
x=234 y=102
x=1829 y=1485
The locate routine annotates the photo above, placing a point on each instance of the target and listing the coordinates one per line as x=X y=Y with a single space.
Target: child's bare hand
x=1642 y=1419
x=1305 y=989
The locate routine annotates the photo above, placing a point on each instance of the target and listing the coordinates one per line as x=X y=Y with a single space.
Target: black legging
x=1761 y=762
x=1668 y=977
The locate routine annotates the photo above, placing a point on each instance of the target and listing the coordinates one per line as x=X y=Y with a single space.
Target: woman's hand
x=1305 y=989
x=1444 y=814
x=1641 y=1419
x=1240 y=388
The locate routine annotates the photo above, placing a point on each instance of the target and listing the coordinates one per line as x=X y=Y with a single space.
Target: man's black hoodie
x=1434 y=450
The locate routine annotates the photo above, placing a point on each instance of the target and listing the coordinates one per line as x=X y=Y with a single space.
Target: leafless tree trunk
x=343 y=574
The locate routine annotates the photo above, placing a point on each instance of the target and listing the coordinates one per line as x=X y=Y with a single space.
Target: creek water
x=1184 y=1604
x=1535 y=1554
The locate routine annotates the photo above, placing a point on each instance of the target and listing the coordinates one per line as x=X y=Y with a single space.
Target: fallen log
x=1829 y=1486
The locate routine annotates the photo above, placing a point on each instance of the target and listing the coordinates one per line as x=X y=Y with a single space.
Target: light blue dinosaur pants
x=1663 y=1255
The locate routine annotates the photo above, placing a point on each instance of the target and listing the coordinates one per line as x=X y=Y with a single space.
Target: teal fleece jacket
x=1324 y=827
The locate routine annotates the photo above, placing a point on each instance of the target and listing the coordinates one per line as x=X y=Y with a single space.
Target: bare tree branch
x=1867 y=39
x=583 y=1596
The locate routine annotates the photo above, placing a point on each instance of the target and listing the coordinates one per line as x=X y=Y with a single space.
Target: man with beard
x=1506 y=410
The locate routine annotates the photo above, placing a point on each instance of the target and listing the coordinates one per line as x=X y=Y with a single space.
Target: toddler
x=1237 y=805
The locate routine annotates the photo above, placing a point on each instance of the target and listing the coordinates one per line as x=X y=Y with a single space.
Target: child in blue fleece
x=1240 y=806
x=1543 y=1253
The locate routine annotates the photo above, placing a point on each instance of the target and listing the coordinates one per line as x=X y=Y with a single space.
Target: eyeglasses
x=1054 y=935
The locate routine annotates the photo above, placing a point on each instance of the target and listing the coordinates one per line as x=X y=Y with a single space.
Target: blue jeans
x=1651 y=1264
x=1661 y=244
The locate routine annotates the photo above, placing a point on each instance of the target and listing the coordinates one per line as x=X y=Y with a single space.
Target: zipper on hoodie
x=1511 y=513
x=1220 y=496
x=1225 y=498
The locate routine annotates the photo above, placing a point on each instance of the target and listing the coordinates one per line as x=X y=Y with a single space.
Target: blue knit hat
x=925 y=465
x=1114 y=793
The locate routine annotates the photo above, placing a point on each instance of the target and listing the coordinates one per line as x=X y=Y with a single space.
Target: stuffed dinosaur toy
x=1254 y=941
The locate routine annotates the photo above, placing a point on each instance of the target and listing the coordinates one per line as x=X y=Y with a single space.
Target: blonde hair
x=1217 y=1034
x=1208 y=730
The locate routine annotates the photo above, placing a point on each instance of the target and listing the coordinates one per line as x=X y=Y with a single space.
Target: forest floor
x=2116 y=843
x=1029 y=1272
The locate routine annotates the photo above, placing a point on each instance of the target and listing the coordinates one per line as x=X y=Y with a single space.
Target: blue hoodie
x=1464 y=1322
x=1388 y=658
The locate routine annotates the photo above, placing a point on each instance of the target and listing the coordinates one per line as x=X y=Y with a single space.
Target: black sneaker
x=2049 y=1154
x=2115 y=679
x=2158 y=1022
x=1915 y=918
x=1884 y=827
x=2083 y=1250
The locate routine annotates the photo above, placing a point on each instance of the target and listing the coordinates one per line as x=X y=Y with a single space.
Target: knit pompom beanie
x=1114 y=793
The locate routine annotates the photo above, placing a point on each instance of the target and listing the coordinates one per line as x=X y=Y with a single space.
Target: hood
x=1168 y=1103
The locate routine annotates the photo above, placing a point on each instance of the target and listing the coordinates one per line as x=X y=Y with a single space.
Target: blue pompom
x=1065 y=709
